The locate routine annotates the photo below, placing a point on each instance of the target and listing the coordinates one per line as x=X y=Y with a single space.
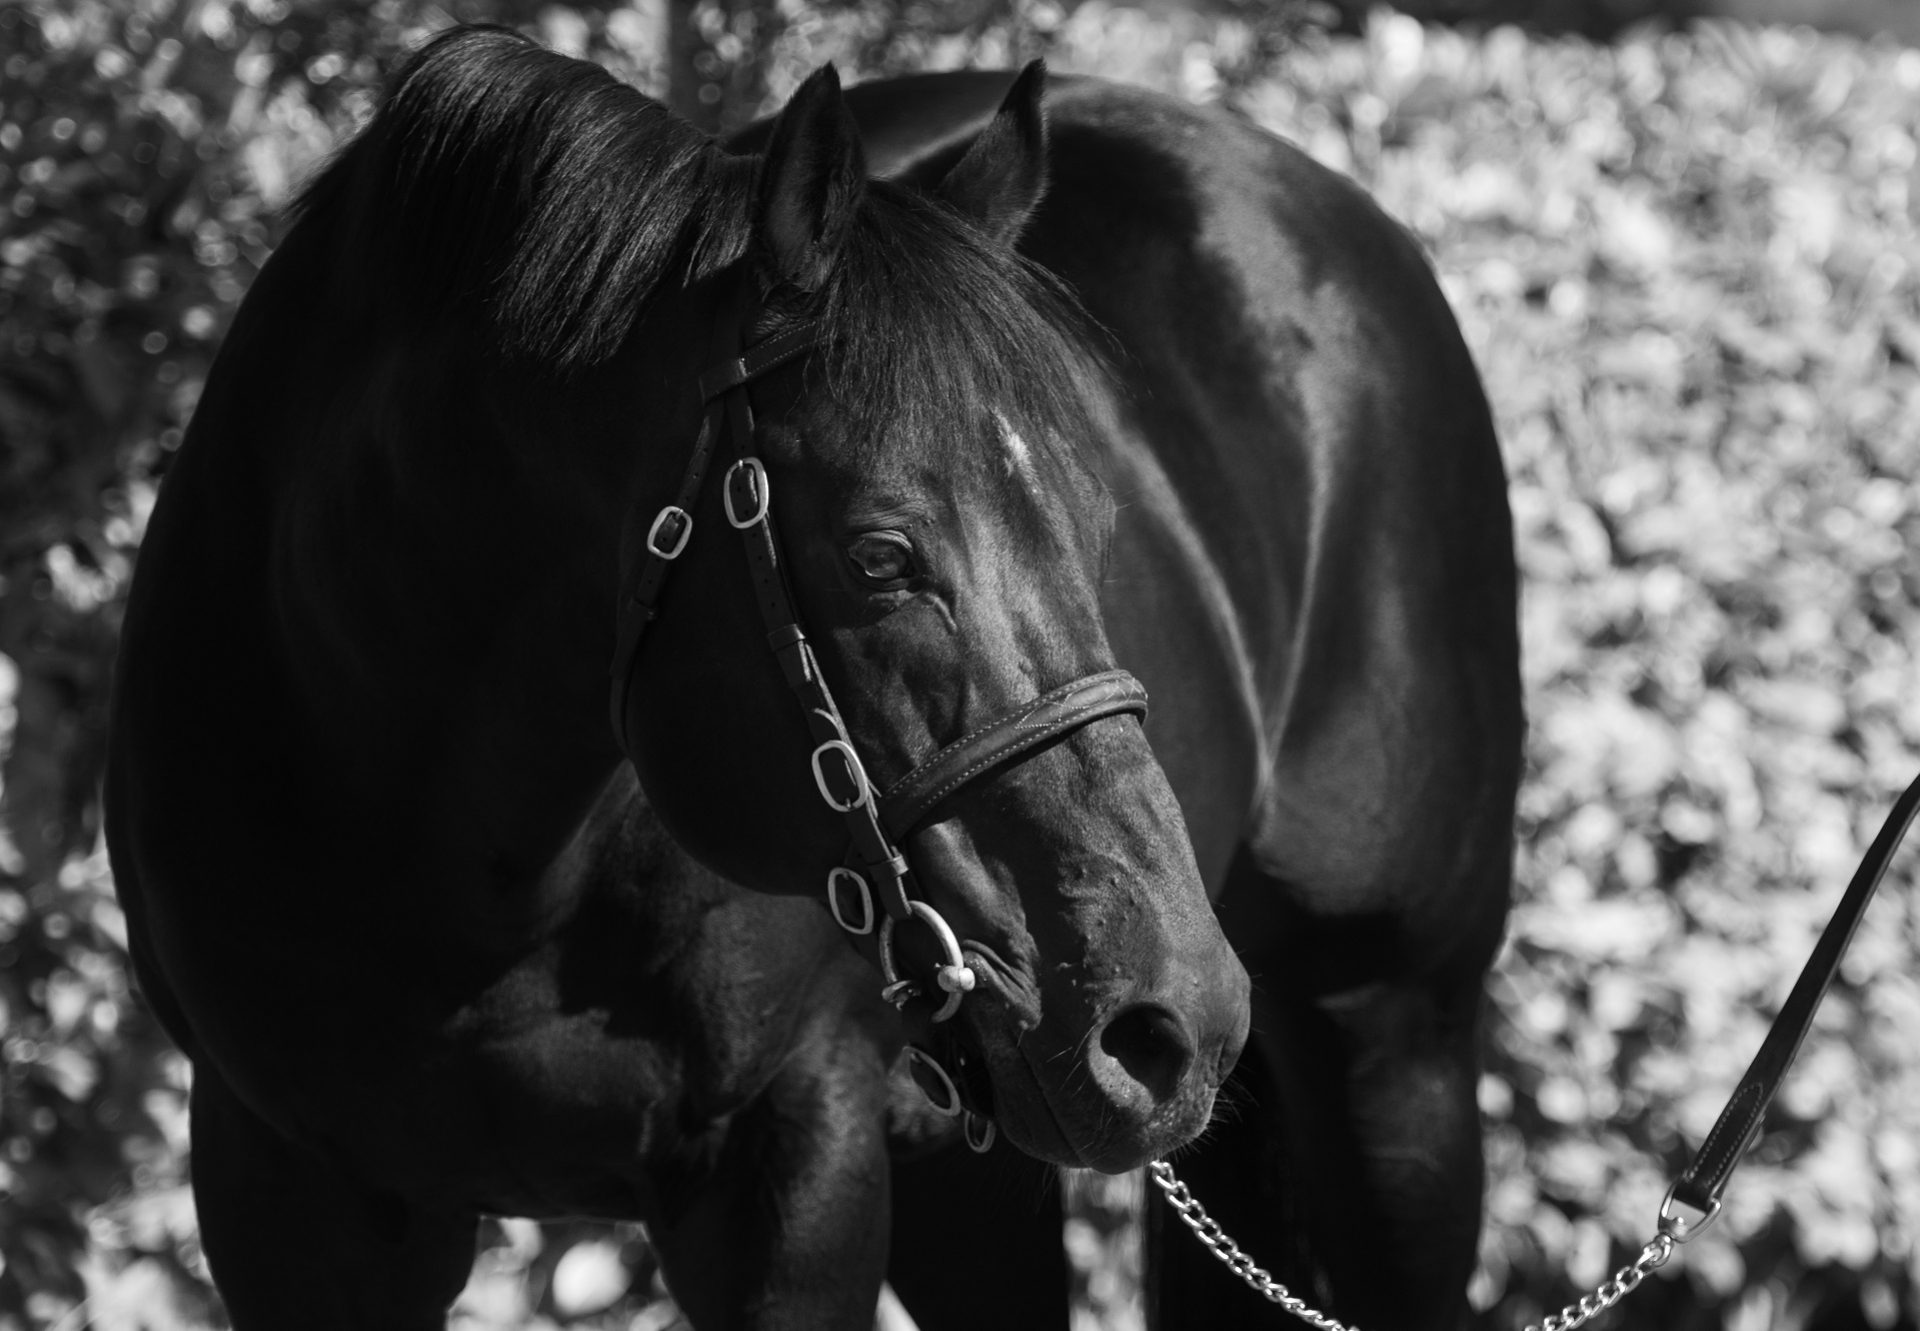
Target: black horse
x=487 y=423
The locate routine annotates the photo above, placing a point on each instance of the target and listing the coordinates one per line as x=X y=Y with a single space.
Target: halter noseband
x=875 y=824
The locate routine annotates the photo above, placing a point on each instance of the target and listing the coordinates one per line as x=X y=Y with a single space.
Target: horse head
x=891 y=387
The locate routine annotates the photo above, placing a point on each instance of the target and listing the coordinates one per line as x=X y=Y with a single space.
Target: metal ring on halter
x=672 y=512
x=982 y=1143
x=955 y=977
x=919 y=1058
x=760 y=489
x=835 y=877
x=855 y=773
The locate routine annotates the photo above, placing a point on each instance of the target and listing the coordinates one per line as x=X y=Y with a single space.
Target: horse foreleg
x=1351 y=1168
x=1346 y=1158
x=1394 y=1216
x=295 y=1245
x=788 y=1227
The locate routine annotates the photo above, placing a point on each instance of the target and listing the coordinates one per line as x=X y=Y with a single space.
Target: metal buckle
x=979 y=1140
x=855 y=773
x=680 y=541
x=1677 y=1227
x=835 y=877
x=919 y=1058
x=761 y=491
x=956 y=978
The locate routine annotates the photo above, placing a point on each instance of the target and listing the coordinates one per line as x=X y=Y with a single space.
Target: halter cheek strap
x=672 y=526
x=874 y=865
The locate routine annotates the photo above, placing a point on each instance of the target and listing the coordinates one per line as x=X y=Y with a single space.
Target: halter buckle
x=838 y=876
x=850 y=772
x=677 y=542
x=751 y=477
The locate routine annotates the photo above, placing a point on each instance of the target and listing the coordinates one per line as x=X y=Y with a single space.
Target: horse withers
x=527 y=391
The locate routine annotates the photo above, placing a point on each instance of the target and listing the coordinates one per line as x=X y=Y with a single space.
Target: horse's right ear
x=811 y=181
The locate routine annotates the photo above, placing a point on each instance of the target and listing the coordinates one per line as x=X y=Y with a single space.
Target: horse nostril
x=1152 y=1045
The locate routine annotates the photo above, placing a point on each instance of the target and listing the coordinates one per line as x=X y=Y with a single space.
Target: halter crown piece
x=874 y=864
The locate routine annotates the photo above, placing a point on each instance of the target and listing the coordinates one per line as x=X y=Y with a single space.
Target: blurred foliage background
x=1687 y=261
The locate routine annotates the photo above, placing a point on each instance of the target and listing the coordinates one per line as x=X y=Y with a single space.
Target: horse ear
x=1002 y=176
x=811 y=182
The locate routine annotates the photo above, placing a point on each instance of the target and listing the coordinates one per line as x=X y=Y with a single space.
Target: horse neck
x=444 y=589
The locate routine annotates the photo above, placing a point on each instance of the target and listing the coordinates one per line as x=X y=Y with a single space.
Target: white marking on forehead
x=1019 y=454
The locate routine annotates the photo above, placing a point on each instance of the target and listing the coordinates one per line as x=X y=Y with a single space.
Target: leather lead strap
x=1700 y=1187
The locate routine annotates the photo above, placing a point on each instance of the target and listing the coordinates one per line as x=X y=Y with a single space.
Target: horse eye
x=884 y=559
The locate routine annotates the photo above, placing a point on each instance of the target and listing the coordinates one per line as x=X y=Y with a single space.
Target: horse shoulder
x=1304 y=396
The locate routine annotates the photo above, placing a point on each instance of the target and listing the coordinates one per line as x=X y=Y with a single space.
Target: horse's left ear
x=1002 y=176
x=811 y=182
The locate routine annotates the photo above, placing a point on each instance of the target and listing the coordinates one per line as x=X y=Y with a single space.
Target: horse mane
x=540 y=194
x=535 y=190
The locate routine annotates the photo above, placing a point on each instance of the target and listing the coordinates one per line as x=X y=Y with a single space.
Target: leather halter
x=875 y=823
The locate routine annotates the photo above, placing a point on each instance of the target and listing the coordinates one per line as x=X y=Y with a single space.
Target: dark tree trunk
x=685 y=81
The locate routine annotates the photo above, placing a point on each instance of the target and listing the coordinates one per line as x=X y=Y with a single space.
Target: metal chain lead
x=1205 y=1228
x=1208 y=1231
x=1652 y=1257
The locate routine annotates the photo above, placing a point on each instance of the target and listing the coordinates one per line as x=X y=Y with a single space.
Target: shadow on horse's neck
x=443 y=576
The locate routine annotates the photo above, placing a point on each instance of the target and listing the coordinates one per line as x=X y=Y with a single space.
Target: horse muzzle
x=1107 y=1091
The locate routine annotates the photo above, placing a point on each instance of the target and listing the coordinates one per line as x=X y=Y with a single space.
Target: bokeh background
x=1683 y=246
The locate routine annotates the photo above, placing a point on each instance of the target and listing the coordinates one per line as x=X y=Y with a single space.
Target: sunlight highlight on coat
x=1147 y=484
